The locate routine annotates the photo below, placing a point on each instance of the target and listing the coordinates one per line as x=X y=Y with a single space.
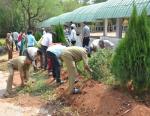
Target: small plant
x=60 y=36
x=100 y=63
x=38 y=36
x=81 y=70
x=37 y=87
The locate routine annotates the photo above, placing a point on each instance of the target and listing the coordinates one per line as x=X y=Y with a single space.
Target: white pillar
x=119 y=28
x=105 y=27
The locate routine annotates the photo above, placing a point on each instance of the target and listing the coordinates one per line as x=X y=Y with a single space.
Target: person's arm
x=85 y=61
x=35 y=42
x=21 y=70
x=7 y=44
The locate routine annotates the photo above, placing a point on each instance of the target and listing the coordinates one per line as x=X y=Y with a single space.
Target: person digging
x=70 y=56
x=22 y=64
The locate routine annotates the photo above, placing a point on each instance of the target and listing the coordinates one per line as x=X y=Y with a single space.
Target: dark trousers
x=86 y=41
x=10 y=54
x=44 y=56
x=73 y=42
x=55 y=65
x=16 y=44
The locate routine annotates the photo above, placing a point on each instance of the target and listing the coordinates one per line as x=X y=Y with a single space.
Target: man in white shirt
x=54 y=52
x=73 y=36
x=46 y=41
x=33 y=54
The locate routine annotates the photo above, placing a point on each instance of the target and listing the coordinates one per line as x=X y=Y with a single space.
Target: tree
x=131 y=61
x=70 y=5
x=16 y=15
x=10 y=17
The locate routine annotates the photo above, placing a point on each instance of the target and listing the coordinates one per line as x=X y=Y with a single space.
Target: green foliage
x=18 y=15
x=59 y=37
x=10 y=19
x=39 y=87
x=100 y=64
x=70 y=5
x=38 y=36
x=2 y=42
x=132 y=59
x=149 y=22
x=81 y=70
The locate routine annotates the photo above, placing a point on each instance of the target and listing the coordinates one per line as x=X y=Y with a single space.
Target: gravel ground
x=9 y=109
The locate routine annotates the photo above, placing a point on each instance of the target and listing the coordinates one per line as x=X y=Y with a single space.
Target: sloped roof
x=104 y=10
x=120 y=8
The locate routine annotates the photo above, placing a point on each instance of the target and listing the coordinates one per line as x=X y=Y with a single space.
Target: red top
x=20 y=38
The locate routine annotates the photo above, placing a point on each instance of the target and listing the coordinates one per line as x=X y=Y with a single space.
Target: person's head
x=101 y=44
x=71 y=22
x=29 y=32
x=84 y=23
x=47 y=30
x=88 y=50
x=39 y=52
x=8 y=35
x=28 y=61
x=72 y=27
x=38 y=56
x=93 y=48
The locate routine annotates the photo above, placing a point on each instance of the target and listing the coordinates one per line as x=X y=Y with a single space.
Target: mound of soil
x=98 y=99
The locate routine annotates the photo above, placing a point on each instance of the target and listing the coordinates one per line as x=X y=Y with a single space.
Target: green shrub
x=59 y=37
x=132 y=58
x=2 y=42
x=100 y=63
x=38 y=36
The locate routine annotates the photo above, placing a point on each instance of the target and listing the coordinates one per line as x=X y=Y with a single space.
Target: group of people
x=73 y=35
x=51 y=56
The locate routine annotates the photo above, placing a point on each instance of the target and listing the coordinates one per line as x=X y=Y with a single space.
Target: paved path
x=9 y=109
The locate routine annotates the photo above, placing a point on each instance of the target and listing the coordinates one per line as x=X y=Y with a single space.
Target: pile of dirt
x=98 y=99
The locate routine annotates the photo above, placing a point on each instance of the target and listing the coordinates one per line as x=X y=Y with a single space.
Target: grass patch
x=37 y=86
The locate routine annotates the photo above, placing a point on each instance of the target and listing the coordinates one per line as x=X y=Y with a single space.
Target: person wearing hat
x=70 y=56
x=85 y=35
x=22 y=64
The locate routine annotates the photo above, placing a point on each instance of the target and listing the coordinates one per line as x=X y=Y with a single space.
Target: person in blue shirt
x=54 y=52
x=31 y=42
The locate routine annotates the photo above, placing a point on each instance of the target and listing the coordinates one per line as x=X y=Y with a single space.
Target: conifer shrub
x=38 y=36
x=59 y=34
x=100 y=63
x=131 y=61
